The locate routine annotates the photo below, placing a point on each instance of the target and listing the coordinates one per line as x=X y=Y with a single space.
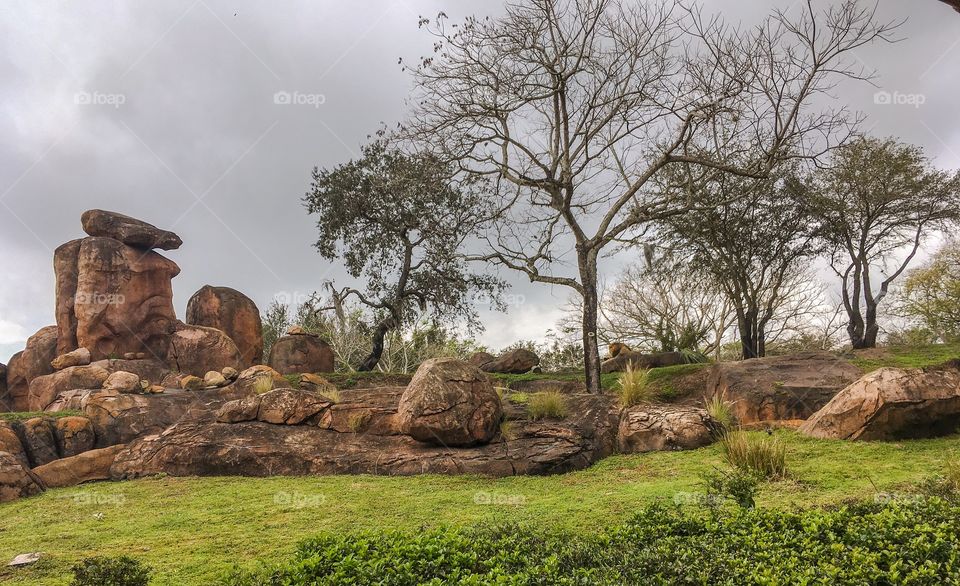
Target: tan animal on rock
x=617 y=348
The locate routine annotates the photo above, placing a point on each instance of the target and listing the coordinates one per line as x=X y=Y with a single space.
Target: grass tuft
x=764 y=455
x=633 y=387
x=263 y=384
x=721 y=411
x=547 y=405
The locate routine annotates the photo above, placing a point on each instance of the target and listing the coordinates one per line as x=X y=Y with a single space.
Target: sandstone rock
x=280 y=407
x=233 y=313
x=4 y=399
x=892 y=403
x=517 y=361
x=128 y=230
x=67 y=272
x=78 y=357
x=650 y=428
x=780 y=387
x=293 y=354
x=450 y=403
x=10 y=440
x=315 y=383
x=27 y=365
x=191 y=383
x=76 y=469
x=213 y=379
x=129 y=355
x=254 y=379
x=639 y=360
x=196 y=350
x=147 y=369
x=122 y=382
x=296 y=331
x=39 y=441
x=74 y=435
x=44 y=389
x=16 y=480
x=230 y=373
x=123 y=300
x=478 y=359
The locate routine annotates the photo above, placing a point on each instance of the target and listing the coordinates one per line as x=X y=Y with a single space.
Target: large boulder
x=39 y=438
x=16 y=480
x=123 y=302
x=233 y=313
x=127 y=230
x=780 y=387
x=516 y=361
x=197 y=350
x=4 y=399
x=79 y=468
x=67 y=273
x=450 y=403
x=44 y=389
x=74 y=435
x=78 y=357
x=651 y=428
x=478 y=359
x=892 y=403
x=301 y=352
x=639 y=360
x=10 y=440
x=27 y=365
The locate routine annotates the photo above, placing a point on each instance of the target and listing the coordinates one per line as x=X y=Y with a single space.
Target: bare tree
x=878 y=201
x=572 y=107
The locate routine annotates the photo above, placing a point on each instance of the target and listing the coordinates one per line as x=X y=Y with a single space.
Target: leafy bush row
x=912 y=542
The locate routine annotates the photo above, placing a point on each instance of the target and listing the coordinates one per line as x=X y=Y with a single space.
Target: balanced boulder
x=78 y=357
x=233 y=313
x=297 y=353
x=450 y=403
x=127 y=230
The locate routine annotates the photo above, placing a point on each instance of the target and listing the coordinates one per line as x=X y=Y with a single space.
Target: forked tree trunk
x=371 y=361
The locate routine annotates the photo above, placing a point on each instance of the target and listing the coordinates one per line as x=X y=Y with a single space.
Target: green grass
x=192 y=530
x=906 y=356
x=547 y=405
x=24 y=415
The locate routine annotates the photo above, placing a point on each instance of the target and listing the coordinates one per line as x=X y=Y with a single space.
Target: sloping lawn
x=193 y=530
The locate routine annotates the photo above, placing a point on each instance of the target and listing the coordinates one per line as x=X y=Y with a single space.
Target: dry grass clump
x=547 y=405
x=764 y=455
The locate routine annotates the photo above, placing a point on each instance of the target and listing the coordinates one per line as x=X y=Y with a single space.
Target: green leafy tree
x=930 y=295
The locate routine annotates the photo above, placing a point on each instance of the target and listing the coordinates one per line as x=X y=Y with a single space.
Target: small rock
x=130 y=356
x=214 y=379
x=230 y=373
x=296 y=331
x=191 y=383
x=155 y=389
x=122 y=382
x=315 y=383
x=79 y=357
x=140 y=355
x=24 y=559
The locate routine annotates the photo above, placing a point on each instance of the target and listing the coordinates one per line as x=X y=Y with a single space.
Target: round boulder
x=197 y=350
x=516 y=361
x=233 y=313
x=297 y=353
x=450 y=403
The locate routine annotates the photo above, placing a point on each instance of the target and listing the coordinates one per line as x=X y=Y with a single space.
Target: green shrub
x=547 y=405
x=737 y=486
x=764 y=455
x=633 y=387
x=110 y=571
x=864 y=543
x=945 y=485
x=721 y=411
x=294 y=380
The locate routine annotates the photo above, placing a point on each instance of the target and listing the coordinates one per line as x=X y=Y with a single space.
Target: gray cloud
x=198 y=120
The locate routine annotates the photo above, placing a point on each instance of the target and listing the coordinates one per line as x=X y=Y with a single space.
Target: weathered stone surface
x=191 y=383
x=16 y=480
x=517 y=361
x=478 y=359
x=230 y=373
x=123 y=301
x=78 y=357
x=892 y=403
x=450 y=403
x=39 y=440
x=280 y=407
x=79 y=468
x=315 y=383
x=297 y=353
x=122 y=382
x=27 y=365
x=331 y=446
x=148 y=369
x=780 y=387
x=44 y=389
x=639 y=360
x=254 y=379
x=10 y=440
x=67 y=273
x=74 y=435
x=650 y=428
x=233 y=313
x=213 y=379
x=127 y=230
x=196 y=350
x=4 y=398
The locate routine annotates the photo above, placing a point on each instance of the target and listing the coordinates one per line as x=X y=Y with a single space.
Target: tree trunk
x=591 y=301
x=750 y=337
x=376 y=352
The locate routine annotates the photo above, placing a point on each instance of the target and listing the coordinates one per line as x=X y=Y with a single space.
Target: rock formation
x=27 y=365
x=649 y=428
x=300 y=352
x=233 y=313
x=127 y=230
x=516 y=361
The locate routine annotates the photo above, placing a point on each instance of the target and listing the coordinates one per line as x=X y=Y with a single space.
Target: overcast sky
x=166 y=111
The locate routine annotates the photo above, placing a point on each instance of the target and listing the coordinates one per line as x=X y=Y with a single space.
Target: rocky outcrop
x=74 y=435
x=892 y=403
x=80 y=468
x=450 y=403
x=639 y=360
x=478 y=359
x=651 y=428
x=16 y=480
x=516 y=361
x=44 y=389
x=78 y=357
x=27 y=365
x=233 y=313
x=4 y=398
x=130 y=231
x=780 y=387
x=10 y=440
x=39 y=439
x=197 y=350
x=67 y=272
x=301 y=352
x=280 y=407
